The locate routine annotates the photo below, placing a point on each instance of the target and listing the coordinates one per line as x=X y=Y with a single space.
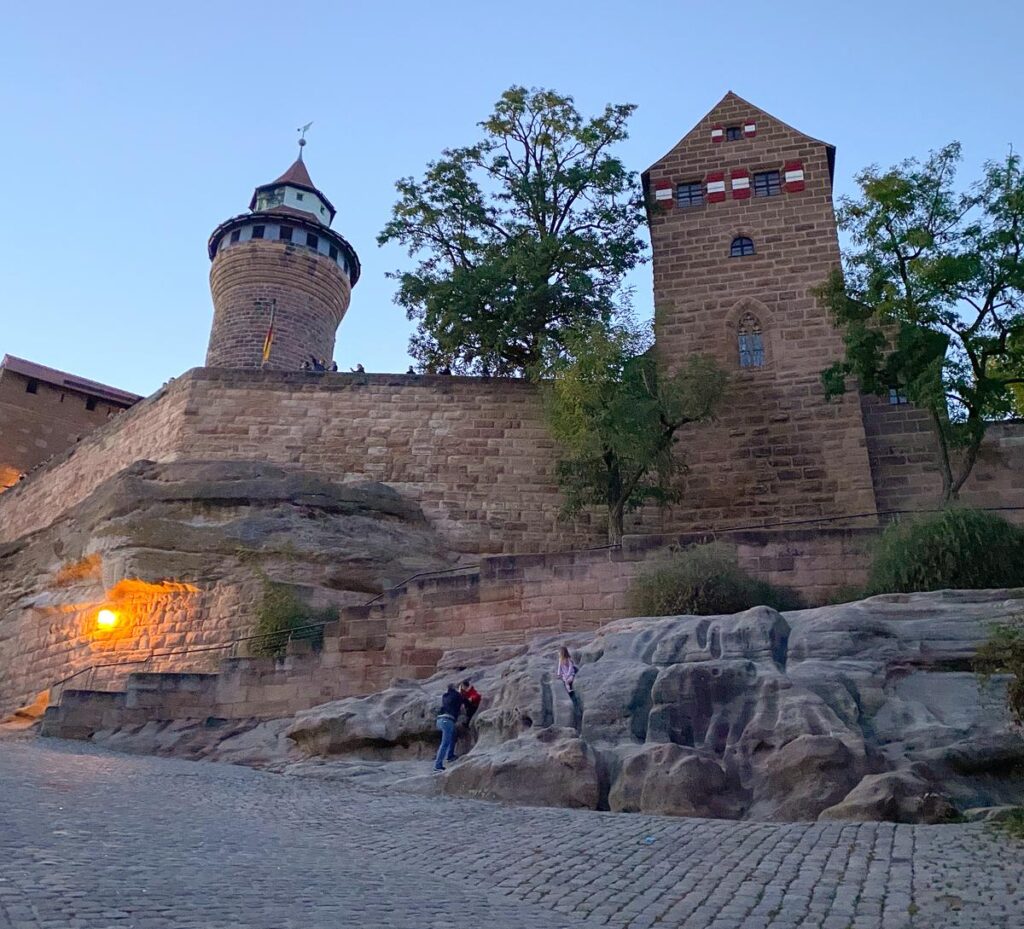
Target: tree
x=521 y=238
x=930 y=298
x=617 y=417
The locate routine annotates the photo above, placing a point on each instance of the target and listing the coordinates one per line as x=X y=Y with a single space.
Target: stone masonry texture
x=779 y=449
x=94 y=840
x=307 y=292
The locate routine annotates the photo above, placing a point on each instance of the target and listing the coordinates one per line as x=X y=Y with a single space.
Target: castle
x=742 y=230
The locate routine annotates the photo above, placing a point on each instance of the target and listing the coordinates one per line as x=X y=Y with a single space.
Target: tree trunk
x=615 y=520
x=948 y=491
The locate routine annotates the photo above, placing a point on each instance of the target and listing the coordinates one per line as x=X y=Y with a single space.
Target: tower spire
x=302 y=130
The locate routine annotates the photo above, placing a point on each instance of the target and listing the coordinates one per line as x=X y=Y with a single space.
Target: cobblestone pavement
x=94 y=840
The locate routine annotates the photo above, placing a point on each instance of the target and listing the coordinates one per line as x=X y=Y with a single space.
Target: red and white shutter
x=750 y=129
x=740 y=183
x=663 y=193
x=717 y=133
x=793 y=178
x=716 y=187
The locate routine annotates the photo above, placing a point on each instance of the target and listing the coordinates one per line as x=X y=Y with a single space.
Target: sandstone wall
x=149 y=430
x=904 y=461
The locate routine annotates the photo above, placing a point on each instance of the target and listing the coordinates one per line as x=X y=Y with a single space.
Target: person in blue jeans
x=451 y=705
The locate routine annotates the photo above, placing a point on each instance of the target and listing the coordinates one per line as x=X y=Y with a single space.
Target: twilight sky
x=130 y=130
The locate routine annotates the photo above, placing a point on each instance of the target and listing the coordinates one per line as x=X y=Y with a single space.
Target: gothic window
x=733 y=133
x=751 y=342
x=767 y=184
x=690 y=194
x=741 y=247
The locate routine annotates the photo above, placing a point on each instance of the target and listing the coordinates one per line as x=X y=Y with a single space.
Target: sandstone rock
x=546 y=767
x=676 y=781
x=895 y=796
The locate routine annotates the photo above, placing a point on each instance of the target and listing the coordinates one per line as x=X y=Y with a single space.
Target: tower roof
x=296 y=176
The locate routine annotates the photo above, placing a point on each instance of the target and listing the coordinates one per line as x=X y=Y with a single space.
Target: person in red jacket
x=472 y=697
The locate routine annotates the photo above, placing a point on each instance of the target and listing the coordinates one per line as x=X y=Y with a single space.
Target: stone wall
x=149 y=430
x=465 y=615
x=38 y=420
x=904 y=461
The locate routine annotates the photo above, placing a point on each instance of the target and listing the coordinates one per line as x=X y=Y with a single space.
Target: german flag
x=269 y=340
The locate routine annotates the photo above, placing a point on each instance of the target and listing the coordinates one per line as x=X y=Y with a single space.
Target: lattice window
x=751 y=342
x=691 y=194
x=767 y=184
x=733 y=133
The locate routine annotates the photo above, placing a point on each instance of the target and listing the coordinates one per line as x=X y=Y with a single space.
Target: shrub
x=281 y=617
x=705 y=580
x=1003 y=653
x=959 y=548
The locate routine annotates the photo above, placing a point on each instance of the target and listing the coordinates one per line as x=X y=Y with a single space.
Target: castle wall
x=45 y=422
x=904 y=461
x=149 y=430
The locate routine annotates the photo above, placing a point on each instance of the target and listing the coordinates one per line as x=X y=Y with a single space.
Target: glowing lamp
x=106 y=619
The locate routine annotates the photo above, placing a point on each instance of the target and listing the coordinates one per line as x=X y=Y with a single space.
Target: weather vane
x=302 y=130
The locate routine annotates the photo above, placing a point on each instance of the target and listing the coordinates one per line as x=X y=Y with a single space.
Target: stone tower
x=281 y=261
x=742 y=231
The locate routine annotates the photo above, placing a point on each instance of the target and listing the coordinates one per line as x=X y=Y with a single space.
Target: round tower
x=281 y=278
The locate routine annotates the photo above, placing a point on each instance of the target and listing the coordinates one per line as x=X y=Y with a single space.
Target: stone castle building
x=742 y=230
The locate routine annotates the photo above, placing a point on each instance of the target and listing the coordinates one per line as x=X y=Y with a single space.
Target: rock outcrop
x=181 y=549
x=866 y=710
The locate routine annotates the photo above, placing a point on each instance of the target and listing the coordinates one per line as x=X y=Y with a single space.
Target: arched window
x=741 y=247
x=751 y=342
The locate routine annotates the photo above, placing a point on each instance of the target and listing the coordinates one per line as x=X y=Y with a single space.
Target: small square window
x=333 y=253
x=257 y=232
x=311 y=240
x=299 y=196
x=767 y=184
x=733 y=134
x=32 y=387
x=691 y=194
x=896 y=396
x=236 y=235
x=286 y=233
x=90 y=403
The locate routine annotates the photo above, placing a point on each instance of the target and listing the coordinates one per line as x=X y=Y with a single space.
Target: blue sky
x=130 y=130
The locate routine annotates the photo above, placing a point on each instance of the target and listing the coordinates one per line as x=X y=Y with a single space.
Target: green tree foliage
x=617 y=416
x=1003 y=653
x=705 y=580
x=521 y=238
x=282 y=617
x=958 y=549
x=930 y=297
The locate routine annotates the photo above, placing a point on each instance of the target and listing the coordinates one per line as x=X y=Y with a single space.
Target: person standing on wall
x=451 y=705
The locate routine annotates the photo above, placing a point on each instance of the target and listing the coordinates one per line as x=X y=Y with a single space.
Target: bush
x=958 y=548
x=705 y=580
x=1003 y=653
x=282 y=617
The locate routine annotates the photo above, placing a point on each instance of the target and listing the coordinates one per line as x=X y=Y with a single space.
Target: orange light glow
x=106 y=619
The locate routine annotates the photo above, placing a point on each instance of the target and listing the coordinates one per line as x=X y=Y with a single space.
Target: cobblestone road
x=92 y=840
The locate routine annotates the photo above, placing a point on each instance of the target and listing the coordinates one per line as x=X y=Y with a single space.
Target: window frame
x=258 y=231
x=750 y=343
x=740 y=250
x=284 y=233
x=767 y=183
x=688 y=188
x=313 y=241
x=733 y=133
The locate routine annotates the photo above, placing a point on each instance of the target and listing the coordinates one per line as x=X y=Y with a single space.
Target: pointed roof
x=296 y=176
x=729 y=107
